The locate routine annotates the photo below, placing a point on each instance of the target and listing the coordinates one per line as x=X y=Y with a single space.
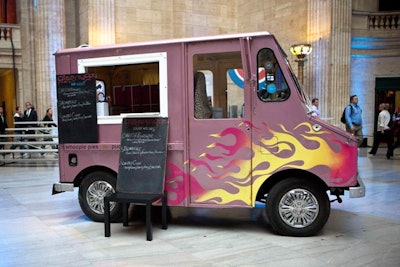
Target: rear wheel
x=94 y=187
x=296 y=207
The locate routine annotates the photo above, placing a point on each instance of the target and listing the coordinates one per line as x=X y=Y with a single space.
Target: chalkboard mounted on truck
x=240 y=129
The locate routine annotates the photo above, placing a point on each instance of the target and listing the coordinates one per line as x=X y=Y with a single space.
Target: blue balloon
x=271 y=88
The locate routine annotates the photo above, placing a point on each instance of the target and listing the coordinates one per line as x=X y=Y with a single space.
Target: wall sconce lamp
x=300 y=51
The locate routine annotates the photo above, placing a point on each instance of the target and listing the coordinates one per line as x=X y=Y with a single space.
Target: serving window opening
x=131 y=84
x=131 y=88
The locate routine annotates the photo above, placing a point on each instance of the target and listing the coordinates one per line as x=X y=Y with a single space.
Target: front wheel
x=296 y=207
x=94 y=187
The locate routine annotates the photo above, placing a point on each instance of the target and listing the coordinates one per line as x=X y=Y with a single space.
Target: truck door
x=281 y=132
x=219 y=134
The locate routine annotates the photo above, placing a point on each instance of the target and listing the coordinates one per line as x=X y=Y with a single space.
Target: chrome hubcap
x=298 y=208
x=95 y=196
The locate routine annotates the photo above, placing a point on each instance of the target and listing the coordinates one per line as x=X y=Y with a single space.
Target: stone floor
x=38 y=229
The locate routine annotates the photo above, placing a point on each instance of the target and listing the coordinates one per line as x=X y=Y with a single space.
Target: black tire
x=92 y=190
x=297 y=207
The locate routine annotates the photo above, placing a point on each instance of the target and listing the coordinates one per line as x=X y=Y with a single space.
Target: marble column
x=318 y=74
x=340 y=53
x=49 y=37
x=97 y=22
x=26 y=87
x=329 y=32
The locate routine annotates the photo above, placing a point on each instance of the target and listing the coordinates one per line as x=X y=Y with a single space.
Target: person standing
x=315 y=108
x=383 y=131
x=353 y=114
x=30 y=115
x=49 y=119
x=396 y=128
x=3 y=126
x=18 y=117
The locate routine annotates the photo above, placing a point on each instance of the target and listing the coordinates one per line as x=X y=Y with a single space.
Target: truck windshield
x=303 y=96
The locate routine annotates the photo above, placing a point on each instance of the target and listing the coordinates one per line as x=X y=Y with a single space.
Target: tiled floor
x=38 y=229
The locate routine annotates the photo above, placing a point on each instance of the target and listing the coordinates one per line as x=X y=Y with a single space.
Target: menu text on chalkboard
x=76 y=108
x=142 y=155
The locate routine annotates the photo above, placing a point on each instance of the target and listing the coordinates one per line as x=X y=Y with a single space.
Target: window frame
x=159 y=57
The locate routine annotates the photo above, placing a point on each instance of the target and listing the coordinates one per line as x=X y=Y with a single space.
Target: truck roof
x=168 y=41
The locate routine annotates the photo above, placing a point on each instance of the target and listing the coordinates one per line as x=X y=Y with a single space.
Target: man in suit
x=30 y=115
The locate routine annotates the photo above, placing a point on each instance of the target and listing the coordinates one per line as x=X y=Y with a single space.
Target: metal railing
x=387 y=21
x=19 y=146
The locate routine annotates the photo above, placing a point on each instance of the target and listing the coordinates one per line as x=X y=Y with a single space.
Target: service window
x=132 y=84
x=218 y=85
x=272 y=85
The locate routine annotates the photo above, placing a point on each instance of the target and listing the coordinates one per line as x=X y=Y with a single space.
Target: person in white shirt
x=315 y=103
x=383 y=131
x=18 y=117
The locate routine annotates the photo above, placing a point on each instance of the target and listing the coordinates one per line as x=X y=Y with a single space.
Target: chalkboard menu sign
x=76 y=108
x=142 y=155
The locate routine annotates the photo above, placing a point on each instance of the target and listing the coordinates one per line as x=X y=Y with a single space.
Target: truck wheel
x=296 y=207
x=92 y=190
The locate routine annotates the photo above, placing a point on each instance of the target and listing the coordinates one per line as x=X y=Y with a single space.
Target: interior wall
x=366 y=5
x=6 y=95
x=71 y=8
x=287 y=20
x=397 y=100
x=159 y=20
x=364 y=73
x=375 y=54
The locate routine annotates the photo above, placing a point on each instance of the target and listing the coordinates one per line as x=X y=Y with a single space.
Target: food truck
x=240 y=129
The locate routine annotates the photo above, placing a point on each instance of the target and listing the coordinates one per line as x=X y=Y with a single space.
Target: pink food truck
x=240 y=129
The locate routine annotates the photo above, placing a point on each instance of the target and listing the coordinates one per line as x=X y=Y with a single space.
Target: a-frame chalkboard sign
x=142 y=155
x=76 y=108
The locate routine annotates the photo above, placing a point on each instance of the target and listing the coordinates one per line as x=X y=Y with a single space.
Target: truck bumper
x=359 y=190
x=62 y=187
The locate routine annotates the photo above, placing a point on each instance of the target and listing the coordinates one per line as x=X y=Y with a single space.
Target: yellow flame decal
x=301 y=148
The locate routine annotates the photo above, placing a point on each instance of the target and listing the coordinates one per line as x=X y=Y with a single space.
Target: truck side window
x=218 y=85
x=272 y=86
